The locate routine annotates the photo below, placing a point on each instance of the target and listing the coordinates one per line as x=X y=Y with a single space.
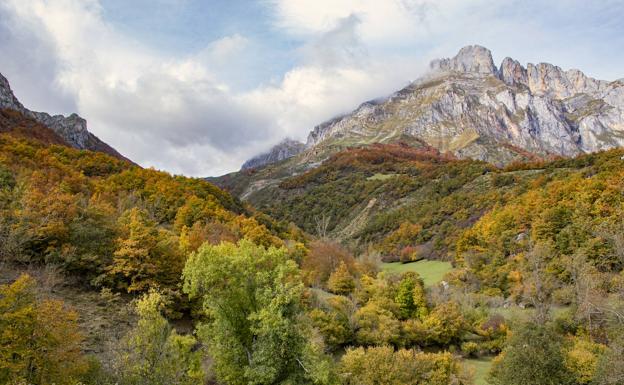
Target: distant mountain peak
x=72 y=129
x=285 y=149
x=472 y=58
x=7 y=98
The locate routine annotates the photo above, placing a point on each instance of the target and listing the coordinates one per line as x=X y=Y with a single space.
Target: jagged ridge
x=72 y=129
x=285 y=149
x=469 y=107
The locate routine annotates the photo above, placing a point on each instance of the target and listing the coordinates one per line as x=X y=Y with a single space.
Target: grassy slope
x=431 y=272
x=481 y=367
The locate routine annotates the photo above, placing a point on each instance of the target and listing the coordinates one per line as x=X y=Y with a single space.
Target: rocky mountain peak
x=539 y=109
x=472 y=58
x=285 y=149
x=546 y=78
x=512 y=72
x=72 y=128
x=7 y=98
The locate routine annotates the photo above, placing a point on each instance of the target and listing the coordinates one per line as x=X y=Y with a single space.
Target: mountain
x=70 y=210
x=72 y=129
x=437 y=143
x=285 y=149
x=469 y=107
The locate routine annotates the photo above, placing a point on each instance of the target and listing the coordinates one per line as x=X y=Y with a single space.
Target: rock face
x=467 y=106
x=287 y=148
x=72 y=129
x=472 y=58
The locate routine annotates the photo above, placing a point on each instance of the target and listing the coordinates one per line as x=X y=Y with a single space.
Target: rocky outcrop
x=472 y=58
x=281 y=151
x=467 y=106
x=513 y=73
x=72 y=129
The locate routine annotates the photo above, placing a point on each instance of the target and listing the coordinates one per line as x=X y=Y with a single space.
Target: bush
x=383 y=365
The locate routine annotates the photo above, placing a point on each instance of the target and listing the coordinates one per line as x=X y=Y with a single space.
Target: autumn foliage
x=108 y=221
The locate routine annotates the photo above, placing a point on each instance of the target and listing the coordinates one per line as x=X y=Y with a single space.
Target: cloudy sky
x=196 y=87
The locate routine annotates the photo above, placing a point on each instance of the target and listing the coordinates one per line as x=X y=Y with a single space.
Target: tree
x=539 y=286
x=39 y=340
x=191 y=238
x=334 y=323
x=92 y=236
x=154 y=354
x=610 y=366
x=534 y=355
x=411 y=297
x=445 y=324
x=146 y=257
x=322 y=259
x=376 y=325
x=341 y=281
x=252 y=296
x=582 y=359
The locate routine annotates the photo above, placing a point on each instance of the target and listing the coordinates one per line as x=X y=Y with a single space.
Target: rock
x=287 y=148
x=513 y=73
x=468 y=107
x=472 y=58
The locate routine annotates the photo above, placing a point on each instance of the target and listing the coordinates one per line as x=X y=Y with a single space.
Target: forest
x=201 y=288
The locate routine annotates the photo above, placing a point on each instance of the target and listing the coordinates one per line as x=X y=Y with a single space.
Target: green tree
x=376 y=325
x=256 y=334
x=154 y=354
x=333 y=321
x=534 y=355
x=410 y=297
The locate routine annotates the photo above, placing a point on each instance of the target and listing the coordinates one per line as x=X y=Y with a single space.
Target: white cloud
x=382 y=22
x=168 y=112
x=176 y=113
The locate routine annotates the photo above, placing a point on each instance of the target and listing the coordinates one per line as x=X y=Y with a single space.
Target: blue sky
x=196 y=87
x=185 y=26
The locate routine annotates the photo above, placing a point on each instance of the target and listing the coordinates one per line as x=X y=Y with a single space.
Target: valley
x=465 y=230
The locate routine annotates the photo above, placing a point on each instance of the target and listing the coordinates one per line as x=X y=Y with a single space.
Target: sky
x=197 y=87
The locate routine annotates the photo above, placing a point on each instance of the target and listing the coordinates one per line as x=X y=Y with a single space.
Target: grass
x=431 y=272
x=381 y=177
x=481 y=367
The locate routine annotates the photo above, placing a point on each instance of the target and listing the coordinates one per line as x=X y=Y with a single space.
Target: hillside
x=401 y=201
x=358 y=173
x=74 y=209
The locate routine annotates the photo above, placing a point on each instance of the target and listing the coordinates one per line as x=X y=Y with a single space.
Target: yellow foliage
x=582 y=358
x=40 y=339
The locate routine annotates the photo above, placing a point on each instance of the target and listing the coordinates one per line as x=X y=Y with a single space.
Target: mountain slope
x=365 y=174
x=76 y=208
x=72 y=129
